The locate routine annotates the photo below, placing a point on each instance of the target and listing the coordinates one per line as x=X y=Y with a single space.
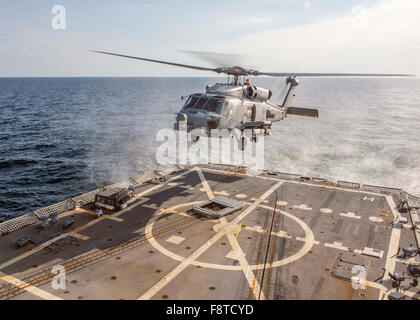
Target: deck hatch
x=343 y=268
x=217 y=207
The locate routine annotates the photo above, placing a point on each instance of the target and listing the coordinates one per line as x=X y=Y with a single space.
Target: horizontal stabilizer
x=305 y=112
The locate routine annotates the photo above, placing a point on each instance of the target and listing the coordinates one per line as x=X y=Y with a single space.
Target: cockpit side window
x=192 y=100
x=227 y=109
x=215 y=105
x=212 y=105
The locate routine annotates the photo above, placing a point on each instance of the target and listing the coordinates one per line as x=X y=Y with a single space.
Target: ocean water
x=60 y=137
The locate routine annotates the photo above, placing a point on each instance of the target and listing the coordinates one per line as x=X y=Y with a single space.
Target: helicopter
x=241 y=105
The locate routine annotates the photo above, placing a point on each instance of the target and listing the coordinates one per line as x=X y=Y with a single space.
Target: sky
x=269 y=35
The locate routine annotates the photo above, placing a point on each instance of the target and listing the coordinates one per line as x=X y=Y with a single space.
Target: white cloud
x=244 y=20
x=258 y=20
x=307 y=4
x=387 y=40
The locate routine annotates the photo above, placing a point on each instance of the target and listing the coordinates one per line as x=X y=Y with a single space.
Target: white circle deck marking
x=308 y=243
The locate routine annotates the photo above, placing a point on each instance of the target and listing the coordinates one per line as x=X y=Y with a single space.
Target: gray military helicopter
x=240 y=105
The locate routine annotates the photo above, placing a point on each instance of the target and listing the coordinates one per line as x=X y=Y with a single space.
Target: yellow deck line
x=236 y=237
x=249 y=275
x=79 y=236
x=204 y=183
x=32 y=251
x=28 y=287
x=113 y=218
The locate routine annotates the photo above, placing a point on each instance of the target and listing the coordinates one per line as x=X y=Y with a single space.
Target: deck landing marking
x=350 y=215
x=375 y=285
x=175 y=239
x=236 y=237
x=304 y=240
x=79 y=236
x=309 y=241
x=204 y=183
x=191 y=259
x=28 y=287
x=325 y=210
x=373 y=252
x=187 y=186
x=113 y=218
x=92 y=222
x=222 y=193
x=336 y=245
x=174 y=184
x=281 y=233
x=32 y=251
x=233 y=254
x=249 y=275
x=369 y=199
x=151 y=206
x=302 y=207
x=263 y=201
x=296 y=182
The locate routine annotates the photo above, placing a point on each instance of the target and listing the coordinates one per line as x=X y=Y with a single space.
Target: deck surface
x=291 y=240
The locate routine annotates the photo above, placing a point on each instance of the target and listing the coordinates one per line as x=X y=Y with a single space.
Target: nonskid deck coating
x=158 y=249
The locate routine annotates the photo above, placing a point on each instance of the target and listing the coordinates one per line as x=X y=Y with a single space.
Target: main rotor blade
x=274 y=74
x=162 y=62
x=218 y=59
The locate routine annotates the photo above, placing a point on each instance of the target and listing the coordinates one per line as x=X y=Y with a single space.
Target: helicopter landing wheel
x=239 y=138
x=242 y=143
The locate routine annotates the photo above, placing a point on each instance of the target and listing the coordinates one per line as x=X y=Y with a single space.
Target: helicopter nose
x=212 y=123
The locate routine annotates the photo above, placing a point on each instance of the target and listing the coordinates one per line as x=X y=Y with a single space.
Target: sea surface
x=60 y=137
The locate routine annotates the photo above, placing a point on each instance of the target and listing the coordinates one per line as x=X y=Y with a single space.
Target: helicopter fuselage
x=227 y=106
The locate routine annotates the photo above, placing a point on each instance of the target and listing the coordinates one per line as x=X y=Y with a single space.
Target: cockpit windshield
x=191 y=102
x=201 y=103
x=204 y=103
